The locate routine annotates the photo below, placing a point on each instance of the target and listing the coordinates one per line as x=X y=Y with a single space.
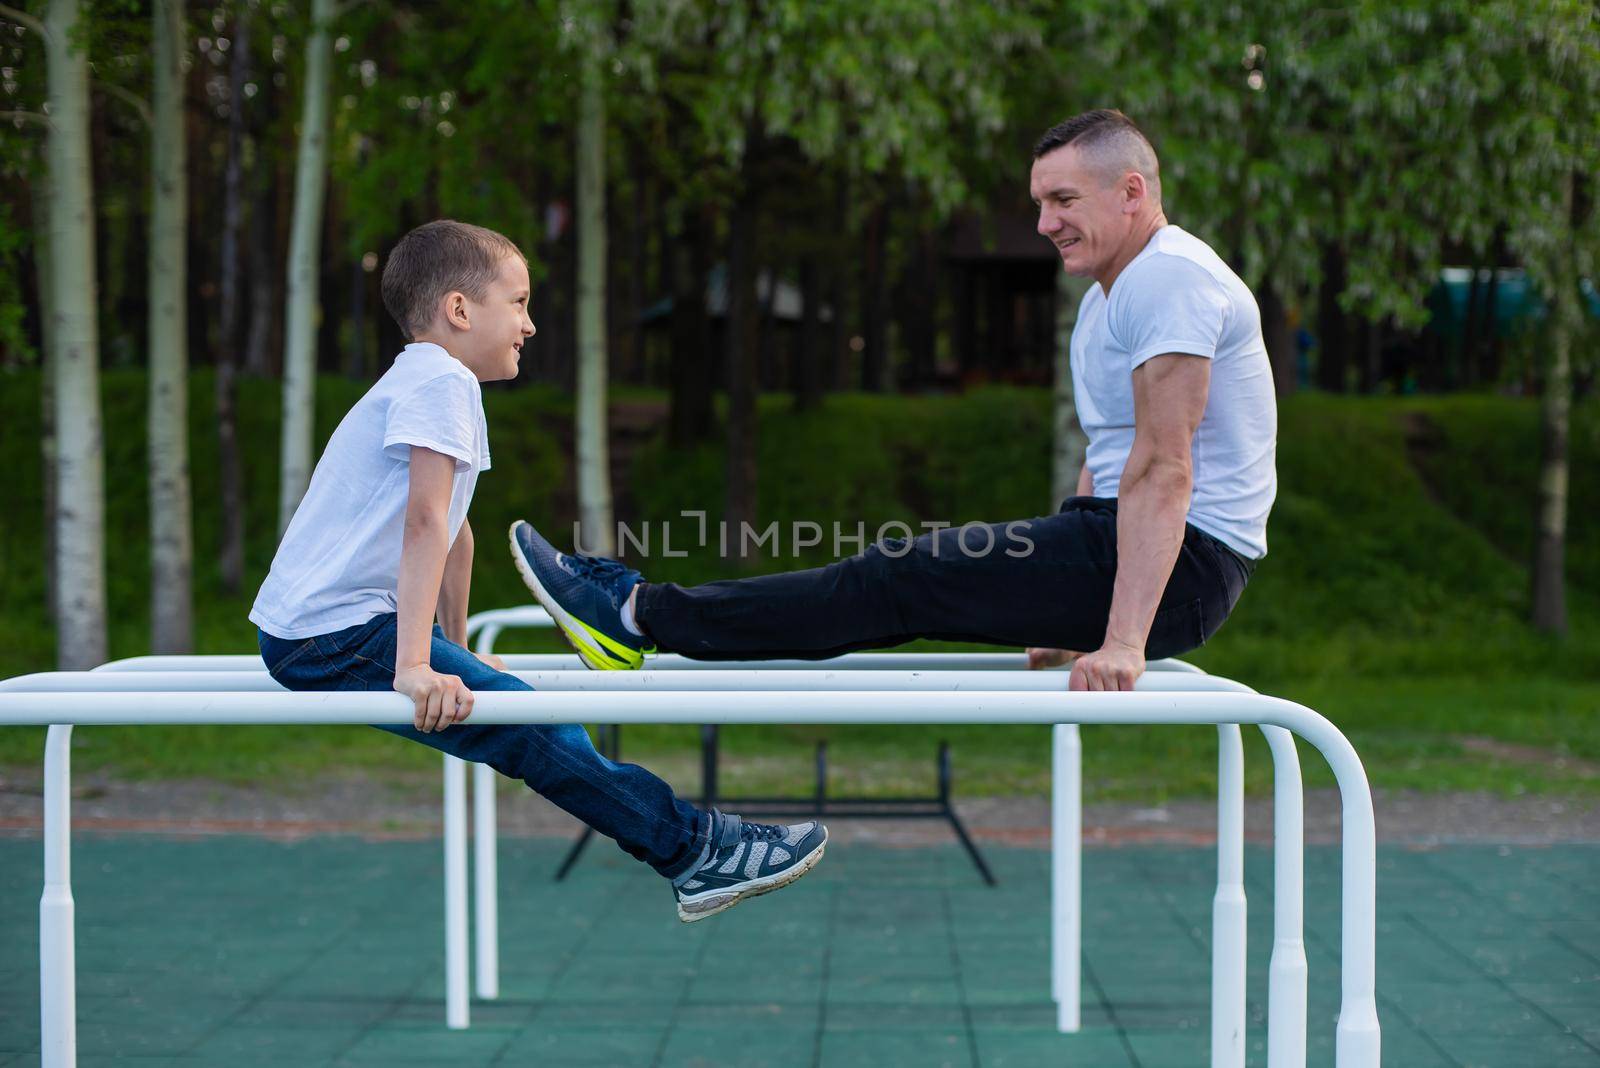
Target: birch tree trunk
x=171 y=549
x=594 y=459
x=1069 y=443
x=44 y=264
x=75 y=353
x=230 y=555
x=305 y=254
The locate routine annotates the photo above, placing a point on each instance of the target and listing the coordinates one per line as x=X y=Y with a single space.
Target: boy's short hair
x=440 y=257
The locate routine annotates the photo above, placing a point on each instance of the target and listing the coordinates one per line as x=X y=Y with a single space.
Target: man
x=1174 y=390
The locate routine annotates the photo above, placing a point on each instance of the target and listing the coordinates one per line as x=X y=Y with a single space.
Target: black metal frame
x=819 y=804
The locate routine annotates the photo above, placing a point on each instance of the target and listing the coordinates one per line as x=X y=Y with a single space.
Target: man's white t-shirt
x=339 y=562
x=1178 y=296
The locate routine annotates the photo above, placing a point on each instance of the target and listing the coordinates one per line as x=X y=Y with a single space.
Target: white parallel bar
x=58 y=985
x=455 y=893
x=1228 y=908
x=1358 y=1030
x=485 y=881
x=221 y=662
x=1066 y=875
x=1286 y=993
x=665 y=662
x=483 y=630
x=998 y=661
x=620 y=682
x=530 y=615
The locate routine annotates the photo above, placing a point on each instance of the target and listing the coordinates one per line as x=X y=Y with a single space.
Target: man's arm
x=1169 y=399
x=1048 y=658
x=439 y=699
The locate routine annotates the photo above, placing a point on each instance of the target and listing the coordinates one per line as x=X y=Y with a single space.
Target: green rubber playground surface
x=245 y=951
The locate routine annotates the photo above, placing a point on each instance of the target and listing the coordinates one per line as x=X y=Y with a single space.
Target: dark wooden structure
x=1003 y=298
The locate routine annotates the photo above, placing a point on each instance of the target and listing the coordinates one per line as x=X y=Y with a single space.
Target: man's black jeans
x=1038 y=582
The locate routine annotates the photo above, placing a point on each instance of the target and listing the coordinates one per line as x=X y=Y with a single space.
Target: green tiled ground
x=240 y=951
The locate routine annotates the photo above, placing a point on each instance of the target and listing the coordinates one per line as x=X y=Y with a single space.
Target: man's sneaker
x=584 y=595
x=748 y=860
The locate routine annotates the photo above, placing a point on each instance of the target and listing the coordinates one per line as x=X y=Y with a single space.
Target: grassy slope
x=1392 y=601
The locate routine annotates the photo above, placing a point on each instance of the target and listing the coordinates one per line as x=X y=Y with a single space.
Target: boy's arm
x=457 y=584
x=454 y=594
x=440 y=699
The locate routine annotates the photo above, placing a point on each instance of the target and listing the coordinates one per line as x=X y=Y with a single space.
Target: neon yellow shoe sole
x=599 y=652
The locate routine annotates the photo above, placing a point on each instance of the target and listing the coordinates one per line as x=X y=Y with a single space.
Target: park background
x=785 y=271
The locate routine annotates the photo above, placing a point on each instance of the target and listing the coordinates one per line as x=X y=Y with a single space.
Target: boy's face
x=499 y=324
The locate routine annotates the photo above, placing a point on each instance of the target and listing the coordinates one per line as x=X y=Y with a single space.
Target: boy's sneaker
x=584 y=595
x=747 y=860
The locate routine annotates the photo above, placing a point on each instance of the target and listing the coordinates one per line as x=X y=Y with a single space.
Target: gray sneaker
x=747 y=860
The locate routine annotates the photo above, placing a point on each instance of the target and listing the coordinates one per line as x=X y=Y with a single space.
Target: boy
x=380 y=545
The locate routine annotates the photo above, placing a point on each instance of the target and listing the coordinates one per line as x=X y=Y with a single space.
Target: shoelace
x=597 y=568
x=761 y=832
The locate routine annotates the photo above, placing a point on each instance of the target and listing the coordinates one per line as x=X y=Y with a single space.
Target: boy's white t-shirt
x=1178 y=296
x=339 y=562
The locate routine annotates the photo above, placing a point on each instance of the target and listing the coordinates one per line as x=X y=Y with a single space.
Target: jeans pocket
x=280 y=654
x=1177 y=629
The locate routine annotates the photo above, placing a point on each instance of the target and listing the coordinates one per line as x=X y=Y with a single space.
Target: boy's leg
x=1040 y=582
x=623 y=801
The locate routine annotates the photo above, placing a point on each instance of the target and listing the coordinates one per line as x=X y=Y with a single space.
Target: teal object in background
x=1517 y=303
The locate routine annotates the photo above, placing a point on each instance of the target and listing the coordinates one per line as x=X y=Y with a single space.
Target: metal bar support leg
x=58 y=980
x=1066 y=874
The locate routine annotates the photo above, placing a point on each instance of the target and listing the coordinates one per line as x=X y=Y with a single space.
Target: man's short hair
x=1111 y=140
x=440 y=257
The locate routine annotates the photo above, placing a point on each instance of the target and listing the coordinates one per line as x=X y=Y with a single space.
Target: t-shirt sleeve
x=440 y=414
x=1175 y=306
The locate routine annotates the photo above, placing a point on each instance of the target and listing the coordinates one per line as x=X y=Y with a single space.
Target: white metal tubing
x=1066 y=874
x=58 y=1014
x=455 y=893
x=486 y=905
x=483 y=629
x=1229 y=958
x=528 y=615
x=219 y=662
x=1358 y=1033
x=98 y=681
x=1286 y=992
x=485 y=877
x=817 y=678
x=1228 y=909
x=665 y=662
x=846 y=662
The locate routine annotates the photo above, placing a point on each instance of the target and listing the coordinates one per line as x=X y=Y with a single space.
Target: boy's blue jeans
x=622 y=801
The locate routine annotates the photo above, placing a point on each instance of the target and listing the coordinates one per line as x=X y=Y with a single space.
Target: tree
x=171 y=540
x=1069 y=442
x=230 y=554
x=1555 y=411
x=866 y=89
x=74 y=354
x=304 y=272
x=592 y=450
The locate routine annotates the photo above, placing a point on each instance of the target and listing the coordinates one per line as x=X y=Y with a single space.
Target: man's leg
x=1040 y=582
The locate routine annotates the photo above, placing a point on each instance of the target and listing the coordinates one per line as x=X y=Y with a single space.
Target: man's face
x=1082 y=211
x=500 y=324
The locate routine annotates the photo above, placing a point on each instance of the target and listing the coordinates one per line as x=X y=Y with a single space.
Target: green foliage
x=1398 y=132
x=444 y=112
